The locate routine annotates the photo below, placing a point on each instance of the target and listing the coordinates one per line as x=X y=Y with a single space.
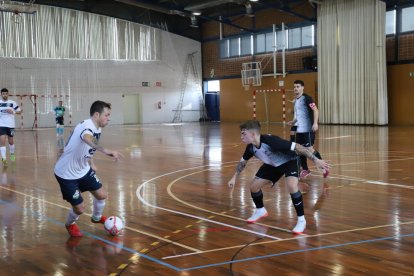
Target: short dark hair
x=99 y=106
x=250 y=125
x=299 y=82
x=4 y=90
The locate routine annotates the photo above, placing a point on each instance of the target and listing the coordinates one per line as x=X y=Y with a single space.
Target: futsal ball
x=114 y=225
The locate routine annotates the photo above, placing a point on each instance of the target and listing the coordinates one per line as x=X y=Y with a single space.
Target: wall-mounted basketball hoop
x=251 y=74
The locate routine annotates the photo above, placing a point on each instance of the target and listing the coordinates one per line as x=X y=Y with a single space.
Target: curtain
x=56 y=33
x=352 y=62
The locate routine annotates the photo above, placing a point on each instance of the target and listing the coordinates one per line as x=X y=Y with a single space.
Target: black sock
x=258 y=199
x=292 y=138
x=297 y=201
x=317 y=154
x=303 y=163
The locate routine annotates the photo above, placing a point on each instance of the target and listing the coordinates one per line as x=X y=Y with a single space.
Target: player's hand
x=115 y=154
x=322 y=164
x=290 y=123
x=232 y=182
x=315 y=127
x=10 y=111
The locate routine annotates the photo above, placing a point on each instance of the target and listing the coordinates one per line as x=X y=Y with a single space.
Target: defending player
x=306 y=120
x=280 y=158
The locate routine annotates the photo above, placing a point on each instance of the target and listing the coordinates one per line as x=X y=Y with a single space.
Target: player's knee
x=79 y=209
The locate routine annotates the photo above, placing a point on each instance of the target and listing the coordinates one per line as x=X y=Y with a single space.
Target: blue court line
x=54 y=221
x=37 y=214
x=297 y=251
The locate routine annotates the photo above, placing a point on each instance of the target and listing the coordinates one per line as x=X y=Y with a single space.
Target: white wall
x=85 y=81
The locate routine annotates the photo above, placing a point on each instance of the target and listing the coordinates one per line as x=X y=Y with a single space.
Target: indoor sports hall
x=181 y=76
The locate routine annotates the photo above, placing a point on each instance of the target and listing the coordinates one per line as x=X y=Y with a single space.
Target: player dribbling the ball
x=75 y=170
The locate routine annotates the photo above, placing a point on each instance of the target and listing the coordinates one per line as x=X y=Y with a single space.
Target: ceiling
x=177 y=16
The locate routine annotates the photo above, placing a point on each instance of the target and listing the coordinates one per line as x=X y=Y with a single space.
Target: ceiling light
x=254 y=0
x=196 y=13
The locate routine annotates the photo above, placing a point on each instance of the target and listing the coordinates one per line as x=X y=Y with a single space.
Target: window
x=269 y=42
x=308 y=35
x=390 y=22
x=213 y=86
x=295 y=37
x=224 y=48
x=260 y=43
x=246 y=45
x=235 y=47
x=407 y=19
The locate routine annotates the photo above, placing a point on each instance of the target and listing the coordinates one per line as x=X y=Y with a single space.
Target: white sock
x=301 y=218
x=72 y=217
x=98 y=206
x=11 y=147
x=3 y=152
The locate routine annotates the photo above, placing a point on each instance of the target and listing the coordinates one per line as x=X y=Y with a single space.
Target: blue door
x=212 y=102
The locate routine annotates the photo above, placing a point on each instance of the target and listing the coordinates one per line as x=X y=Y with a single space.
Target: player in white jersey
x=8 y=109
x=75 y=170
x=280 y=158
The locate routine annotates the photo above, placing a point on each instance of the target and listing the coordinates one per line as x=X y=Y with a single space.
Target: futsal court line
x=298 y=251
x=125 y=227
x=141 y=187
x=36 y=214
x=212 y=212
x=290 y=239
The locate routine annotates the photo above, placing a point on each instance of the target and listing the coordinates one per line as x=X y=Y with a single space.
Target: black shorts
x=293 y=128
x=306 y=139
x=72 y=188
x=273 y=174
x=7 y=131
x=59 y=121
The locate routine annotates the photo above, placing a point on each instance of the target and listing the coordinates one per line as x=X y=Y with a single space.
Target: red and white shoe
x=101 y=220
x=74 y=230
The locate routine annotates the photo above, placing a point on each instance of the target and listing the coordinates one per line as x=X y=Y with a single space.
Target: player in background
x=75 y=170
x=8 y=109
x=306 y=119
x=280 y=158
x=59 y=117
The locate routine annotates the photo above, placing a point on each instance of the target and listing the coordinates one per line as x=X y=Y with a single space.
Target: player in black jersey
x=306 y=122
x=280 y=158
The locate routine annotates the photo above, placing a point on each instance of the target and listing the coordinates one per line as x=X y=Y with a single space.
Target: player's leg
x=317 y=154
x=292 y=183
x=265 y=175
x=72 y=194
x=3 y=139
x=99 y=193
x=11 y=144
x=293 y=133
x=304 y=139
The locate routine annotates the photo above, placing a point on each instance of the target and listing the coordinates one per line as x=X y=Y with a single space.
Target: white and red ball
x=114 y=225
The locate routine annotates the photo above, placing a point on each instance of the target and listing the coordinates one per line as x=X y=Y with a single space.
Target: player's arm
x=319 y=163
x=88 y=139
x=315 y=116
x=240 y=167
x=92 y=164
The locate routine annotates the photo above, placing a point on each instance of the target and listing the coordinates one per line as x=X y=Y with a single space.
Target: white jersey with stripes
x=7 y=119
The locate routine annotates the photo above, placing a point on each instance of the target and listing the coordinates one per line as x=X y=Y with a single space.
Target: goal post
x=38 y=110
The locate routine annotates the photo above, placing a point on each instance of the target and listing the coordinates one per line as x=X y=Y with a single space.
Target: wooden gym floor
x=182 y=219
